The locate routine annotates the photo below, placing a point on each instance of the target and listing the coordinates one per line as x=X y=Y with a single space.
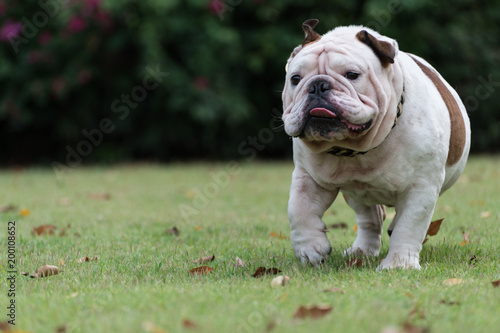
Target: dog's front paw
x=366 y=248
x=311 y=247
x=400 y=261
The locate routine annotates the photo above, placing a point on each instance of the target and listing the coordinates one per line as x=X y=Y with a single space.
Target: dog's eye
x=351 y=75
x=295 y=79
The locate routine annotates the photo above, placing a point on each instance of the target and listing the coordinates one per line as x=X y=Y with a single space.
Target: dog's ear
x=384 y=50
x=311 y=36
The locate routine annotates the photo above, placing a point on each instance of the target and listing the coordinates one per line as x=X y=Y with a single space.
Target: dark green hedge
x=86 y=81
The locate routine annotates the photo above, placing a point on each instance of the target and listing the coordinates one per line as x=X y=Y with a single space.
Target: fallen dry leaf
x=449 y=302
x=472 y=260
x=265 y=271
x=333 y=290
x=173 y=231
x=86 y=259
x=101 y=196
x=354 y=262
x=25 y=273
x=340 y=225
x=239 y=262
x=64 y=202
x=452 y=282
x=485 y=215
x=280 y=281
x=190 y=194
x=61 y=329
x=202 y=270
x=151 y=327
x=25 y=212
x=276 y=235
x=466 y=238
x=433 y=229
x=64 y=230
x=198 y=227
x=46 y=229
x=204 y=260
x=45 y=271
x=409 y=295
x=355 y=228
x=495 y=283
x=61 y=262
x=7 y=208
x=312 y=312
x=186 y=323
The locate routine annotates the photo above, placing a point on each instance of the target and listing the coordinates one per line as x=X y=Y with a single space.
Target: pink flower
x=34 y=56
x=10 y=29
x=93 y=4
x=58 y=85
x=44 y=38
x=201 y=83
x=84 y=76
x=76 y=24
x=217 y=7
x=3 y=7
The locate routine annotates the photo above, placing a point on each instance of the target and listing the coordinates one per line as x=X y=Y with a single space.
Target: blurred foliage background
x=65 y=65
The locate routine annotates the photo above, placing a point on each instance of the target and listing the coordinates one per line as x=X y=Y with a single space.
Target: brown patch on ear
x=311 y=35
x=383 y=50
x=458 y=133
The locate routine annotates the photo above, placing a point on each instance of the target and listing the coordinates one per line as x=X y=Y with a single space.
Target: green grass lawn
x=141 y=280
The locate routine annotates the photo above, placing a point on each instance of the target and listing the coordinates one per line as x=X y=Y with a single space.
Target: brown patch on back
x=458 y=133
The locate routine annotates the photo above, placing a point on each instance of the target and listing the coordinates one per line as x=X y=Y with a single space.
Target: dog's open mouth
x=320 y=114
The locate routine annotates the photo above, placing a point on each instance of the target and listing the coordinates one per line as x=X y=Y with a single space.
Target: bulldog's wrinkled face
x=332 y=92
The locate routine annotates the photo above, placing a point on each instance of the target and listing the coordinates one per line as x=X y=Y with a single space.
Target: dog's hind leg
x=370 y=220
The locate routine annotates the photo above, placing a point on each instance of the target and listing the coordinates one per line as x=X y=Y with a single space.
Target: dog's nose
x=319 y=88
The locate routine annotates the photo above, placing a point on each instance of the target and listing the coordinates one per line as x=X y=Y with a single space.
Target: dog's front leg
x=413 y=216
x=308 y=202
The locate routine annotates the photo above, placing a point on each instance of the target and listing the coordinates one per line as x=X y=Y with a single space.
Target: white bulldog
x=378 y=124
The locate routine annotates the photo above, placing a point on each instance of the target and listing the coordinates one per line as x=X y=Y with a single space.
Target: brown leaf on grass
x=333 y=290
x=466 y=238
x=495 y=283
x=101 y=196
x=45 y=271
x=186 y=323
x=25 y=273
x=64 y=230
x=46 y=229
x=449 y=302
x=472 y=260
x=239 y=262
x=416 y=313
x=86 y=259
x=7 y=208
x=486 y=214
x=173 y=231
x=61 y=329
x=433 y=229
x=202 y=270
x=452 y=282
x=312 y=312
x=410 y=328
x=340 y=225
x=261 y=271
x=204 y=260
x=25 y=212
x=276 y=235
x=354 y=262
x=355 y=228
x=280 y=281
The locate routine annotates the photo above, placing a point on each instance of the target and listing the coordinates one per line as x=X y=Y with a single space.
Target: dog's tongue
x=323 y=113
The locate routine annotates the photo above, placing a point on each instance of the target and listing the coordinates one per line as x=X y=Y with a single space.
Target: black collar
x=346 y=152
